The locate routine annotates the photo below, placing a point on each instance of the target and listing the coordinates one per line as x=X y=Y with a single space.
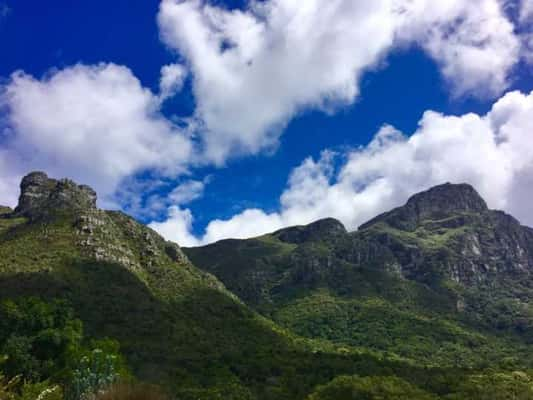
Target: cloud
x=187 y=192
x=472 y=41
x=492 y=152
x=525 y=18
x=527 y=43
x=254 y=70
x=96 y=124
x=178 y=225
x=526 y=11
x=171 y=82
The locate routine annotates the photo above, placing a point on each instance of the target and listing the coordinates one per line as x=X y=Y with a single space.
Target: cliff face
x=448 y=232
x=324 y=229
x=41 y=196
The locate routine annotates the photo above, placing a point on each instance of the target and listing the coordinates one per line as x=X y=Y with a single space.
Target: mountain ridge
x=459 y=263
x=277 y=316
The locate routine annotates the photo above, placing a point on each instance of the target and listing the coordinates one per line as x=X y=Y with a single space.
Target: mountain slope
x=180 y=327
x=442 y=279
x=176 y=324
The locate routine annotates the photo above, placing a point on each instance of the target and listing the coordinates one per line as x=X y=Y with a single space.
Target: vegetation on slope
x=443 y=281
x=75 y=279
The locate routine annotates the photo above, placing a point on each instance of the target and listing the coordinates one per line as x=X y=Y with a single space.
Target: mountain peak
x=437 y=202
x=41 y=195
x=447 y=198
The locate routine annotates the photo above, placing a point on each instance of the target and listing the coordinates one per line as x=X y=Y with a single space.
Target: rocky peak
x=324 y=229
x=41 y=195
x=446 y=199
x=439 y=202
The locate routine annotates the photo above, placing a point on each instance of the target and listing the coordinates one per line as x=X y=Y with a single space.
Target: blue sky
x=232 y=174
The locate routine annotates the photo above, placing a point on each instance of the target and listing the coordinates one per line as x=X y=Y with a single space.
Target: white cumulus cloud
x=492 y=152
x=254 y=70
x=472 y=41
x=96 y=124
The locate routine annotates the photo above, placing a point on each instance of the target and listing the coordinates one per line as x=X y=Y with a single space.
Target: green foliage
x=37 y=336
x=43 y=340
x=384 y=327
x=7 y=385
x=40 y=391
x=17 y=389
x=369 y=388
x=516 y=385
x=347 y=322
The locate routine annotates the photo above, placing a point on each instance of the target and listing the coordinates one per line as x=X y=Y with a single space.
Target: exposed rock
x=174 y=252
x=102 y=235
x=449 y=232
x=42 y=196
x=444 y=199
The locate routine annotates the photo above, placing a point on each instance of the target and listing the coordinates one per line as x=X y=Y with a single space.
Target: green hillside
x=442 y=280
x=81 y=286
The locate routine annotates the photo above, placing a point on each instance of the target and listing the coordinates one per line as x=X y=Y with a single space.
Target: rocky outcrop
x=41 y=196
x=104 y=236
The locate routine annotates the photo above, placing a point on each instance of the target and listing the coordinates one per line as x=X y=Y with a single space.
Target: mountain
x=442 y=279
x=416 y=304
x=177 y=325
